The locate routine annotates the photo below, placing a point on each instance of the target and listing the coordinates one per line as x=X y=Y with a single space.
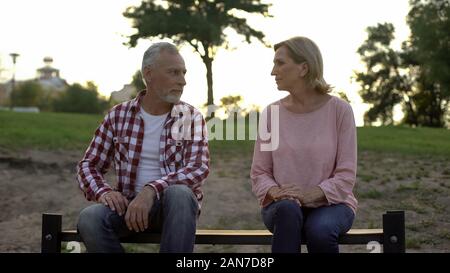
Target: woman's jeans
x=321 y=226
x=175 y=216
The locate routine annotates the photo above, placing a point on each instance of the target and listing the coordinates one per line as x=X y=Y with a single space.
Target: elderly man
x=160 y=152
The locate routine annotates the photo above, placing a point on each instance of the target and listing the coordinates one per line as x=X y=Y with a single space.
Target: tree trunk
x=438 y=113
x=208 y=63
x=411 y=114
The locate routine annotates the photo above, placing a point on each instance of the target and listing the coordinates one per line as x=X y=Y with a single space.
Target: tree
x=79 y=99
x=138 y=83
x=341 y=94
x=383 y=85
x=27 y=94
x=231 y=102
x=199 y=23
x=429 y=46
x=418 y=76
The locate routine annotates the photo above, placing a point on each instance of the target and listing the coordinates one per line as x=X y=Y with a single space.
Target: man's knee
x=178 y=192
x=180 y=196
x=92 y=217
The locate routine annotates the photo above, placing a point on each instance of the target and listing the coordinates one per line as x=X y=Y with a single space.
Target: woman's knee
x=321 y=233
x=288 y=208
x=322 y=238
x=288 y=211
x=329 y=222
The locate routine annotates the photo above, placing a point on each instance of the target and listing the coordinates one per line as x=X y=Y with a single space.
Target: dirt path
x=39 y=181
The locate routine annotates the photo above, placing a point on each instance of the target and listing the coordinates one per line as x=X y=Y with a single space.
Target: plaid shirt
x=119 y=138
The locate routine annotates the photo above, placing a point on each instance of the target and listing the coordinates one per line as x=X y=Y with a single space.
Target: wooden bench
x=391 y=236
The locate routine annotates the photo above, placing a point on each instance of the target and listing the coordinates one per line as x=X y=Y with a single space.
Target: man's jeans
x=321 y=226
x=174 y=216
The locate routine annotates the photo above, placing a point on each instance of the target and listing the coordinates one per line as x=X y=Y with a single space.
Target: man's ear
x=147 y=74
x=304 y=69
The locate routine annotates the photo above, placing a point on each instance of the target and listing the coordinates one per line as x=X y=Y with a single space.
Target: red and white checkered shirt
x=183 y=159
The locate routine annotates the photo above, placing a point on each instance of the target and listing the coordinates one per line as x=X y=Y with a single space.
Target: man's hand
x=115 y=201
x=138 y=210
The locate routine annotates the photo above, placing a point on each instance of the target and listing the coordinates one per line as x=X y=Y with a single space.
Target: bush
x=27 y=94
x=79 y=99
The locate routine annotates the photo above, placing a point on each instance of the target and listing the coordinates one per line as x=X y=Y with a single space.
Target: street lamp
x=14 y=58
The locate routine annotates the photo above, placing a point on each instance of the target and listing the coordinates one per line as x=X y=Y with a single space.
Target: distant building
x=48 y=77
x=124 y=94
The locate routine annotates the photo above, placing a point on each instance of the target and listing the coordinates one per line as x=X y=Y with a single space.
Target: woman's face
x=287 y=73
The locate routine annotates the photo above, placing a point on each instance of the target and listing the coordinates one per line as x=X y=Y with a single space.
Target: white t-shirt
x=149 y=169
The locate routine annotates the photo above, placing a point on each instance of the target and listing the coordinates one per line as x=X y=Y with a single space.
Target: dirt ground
x=33 y=182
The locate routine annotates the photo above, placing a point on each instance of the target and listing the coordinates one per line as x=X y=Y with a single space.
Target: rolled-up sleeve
x=95 y=163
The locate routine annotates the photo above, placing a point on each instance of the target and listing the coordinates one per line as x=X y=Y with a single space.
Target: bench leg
x=51 y=228
x=394 y=232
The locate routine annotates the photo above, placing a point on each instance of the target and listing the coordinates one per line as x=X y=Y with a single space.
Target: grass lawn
x=46 y=130
x=74 y=131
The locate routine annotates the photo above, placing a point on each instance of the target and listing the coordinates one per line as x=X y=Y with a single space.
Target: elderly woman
x=305 y=185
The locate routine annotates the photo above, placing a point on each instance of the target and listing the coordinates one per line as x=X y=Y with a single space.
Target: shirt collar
x=136 y=102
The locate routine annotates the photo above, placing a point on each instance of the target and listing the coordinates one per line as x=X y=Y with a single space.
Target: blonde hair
x=302 y=49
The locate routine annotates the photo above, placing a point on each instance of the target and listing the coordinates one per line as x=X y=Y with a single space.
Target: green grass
x=366 y=177
x=74 y=131
x=445 y=234
x=409 y=187
x=370 y=194
x=405 y=140
x=47 y=130
x=413 y=243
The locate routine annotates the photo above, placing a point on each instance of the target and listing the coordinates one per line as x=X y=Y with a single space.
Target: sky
x=86 y=40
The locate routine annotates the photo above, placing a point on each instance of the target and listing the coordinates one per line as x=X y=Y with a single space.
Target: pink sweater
x=315 y=149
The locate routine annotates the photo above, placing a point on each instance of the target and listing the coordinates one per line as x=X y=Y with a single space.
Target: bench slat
x=392 y=236
x=237 y=237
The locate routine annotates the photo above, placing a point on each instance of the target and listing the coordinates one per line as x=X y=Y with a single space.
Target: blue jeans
x=321 y=226
x=175 y=216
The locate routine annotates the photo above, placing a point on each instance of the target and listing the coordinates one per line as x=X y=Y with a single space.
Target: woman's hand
x=289 y=192
x=314 y=197
x=311 y=198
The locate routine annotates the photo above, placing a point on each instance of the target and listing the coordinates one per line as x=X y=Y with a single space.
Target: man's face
x=166 y=77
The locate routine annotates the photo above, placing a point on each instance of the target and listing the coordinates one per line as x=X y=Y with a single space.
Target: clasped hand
x=136 y=212
x=289 y=192
x=293 y=192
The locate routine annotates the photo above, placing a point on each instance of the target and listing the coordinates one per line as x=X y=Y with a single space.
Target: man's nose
x=182 y=80
x=273 y=72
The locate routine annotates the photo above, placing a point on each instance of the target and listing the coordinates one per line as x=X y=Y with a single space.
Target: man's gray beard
x=170 y=98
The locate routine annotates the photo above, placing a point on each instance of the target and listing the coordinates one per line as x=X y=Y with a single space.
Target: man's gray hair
x=152 y=54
